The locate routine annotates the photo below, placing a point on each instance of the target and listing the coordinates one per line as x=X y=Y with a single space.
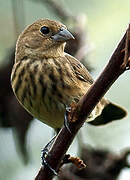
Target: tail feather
x=111 y=112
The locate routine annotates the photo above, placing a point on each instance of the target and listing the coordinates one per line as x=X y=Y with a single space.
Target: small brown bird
x=45 y=79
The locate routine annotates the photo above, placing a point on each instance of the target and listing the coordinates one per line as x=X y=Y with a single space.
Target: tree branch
x=81 y=111
x=59 y=10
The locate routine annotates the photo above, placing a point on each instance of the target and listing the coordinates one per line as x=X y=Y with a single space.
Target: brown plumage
x=45 y=79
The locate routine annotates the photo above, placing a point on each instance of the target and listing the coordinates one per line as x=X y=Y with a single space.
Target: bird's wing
x=79 y=69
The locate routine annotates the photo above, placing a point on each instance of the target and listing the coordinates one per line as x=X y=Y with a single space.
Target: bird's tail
x=111 y=112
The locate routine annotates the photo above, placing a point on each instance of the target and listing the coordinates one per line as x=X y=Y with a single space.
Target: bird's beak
x=62 y=36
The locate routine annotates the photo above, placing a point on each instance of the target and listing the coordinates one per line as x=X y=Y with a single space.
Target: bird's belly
x=50 y=112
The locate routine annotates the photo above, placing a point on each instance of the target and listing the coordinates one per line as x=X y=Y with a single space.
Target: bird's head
x=44 y=38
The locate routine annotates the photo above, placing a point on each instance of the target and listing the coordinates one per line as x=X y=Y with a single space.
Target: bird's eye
x=44 y=30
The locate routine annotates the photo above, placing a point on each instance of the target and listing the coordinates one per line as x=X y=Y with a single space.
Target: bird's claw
x=45 y=152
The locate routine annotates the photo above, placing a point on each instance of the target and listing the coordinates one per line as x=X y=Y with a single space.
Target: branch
x=59 y=10
x=111 y=164
x=117 y=64
x=18 y=16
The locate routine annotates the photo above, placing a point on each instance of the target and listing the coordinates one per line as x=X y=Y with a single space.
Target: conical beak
x=62 y=36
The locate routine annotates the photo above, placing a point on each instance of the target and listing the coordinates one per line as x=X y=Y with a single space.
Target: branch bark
x=117 y=64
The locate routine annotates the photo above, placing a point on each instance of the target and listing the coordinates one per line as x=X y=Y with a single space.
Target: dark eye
x=44 y=30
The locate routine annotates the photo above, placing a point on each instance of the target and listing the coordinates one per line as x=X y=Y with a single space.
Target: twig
x=18 y=16
x=59 y=10
x=80 y=112
x=101 y=164
x=127 y=49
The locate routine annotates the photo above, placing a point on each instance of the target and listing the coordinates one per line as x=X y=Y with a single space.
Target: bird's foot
x=45 y=152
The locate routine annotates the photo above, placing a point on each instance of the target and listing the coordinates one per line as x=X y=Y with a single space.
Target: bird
x=46 y=80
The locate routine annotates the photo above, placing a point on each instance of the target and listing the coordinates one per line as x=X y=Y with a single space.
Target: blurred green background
x=106 y=23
